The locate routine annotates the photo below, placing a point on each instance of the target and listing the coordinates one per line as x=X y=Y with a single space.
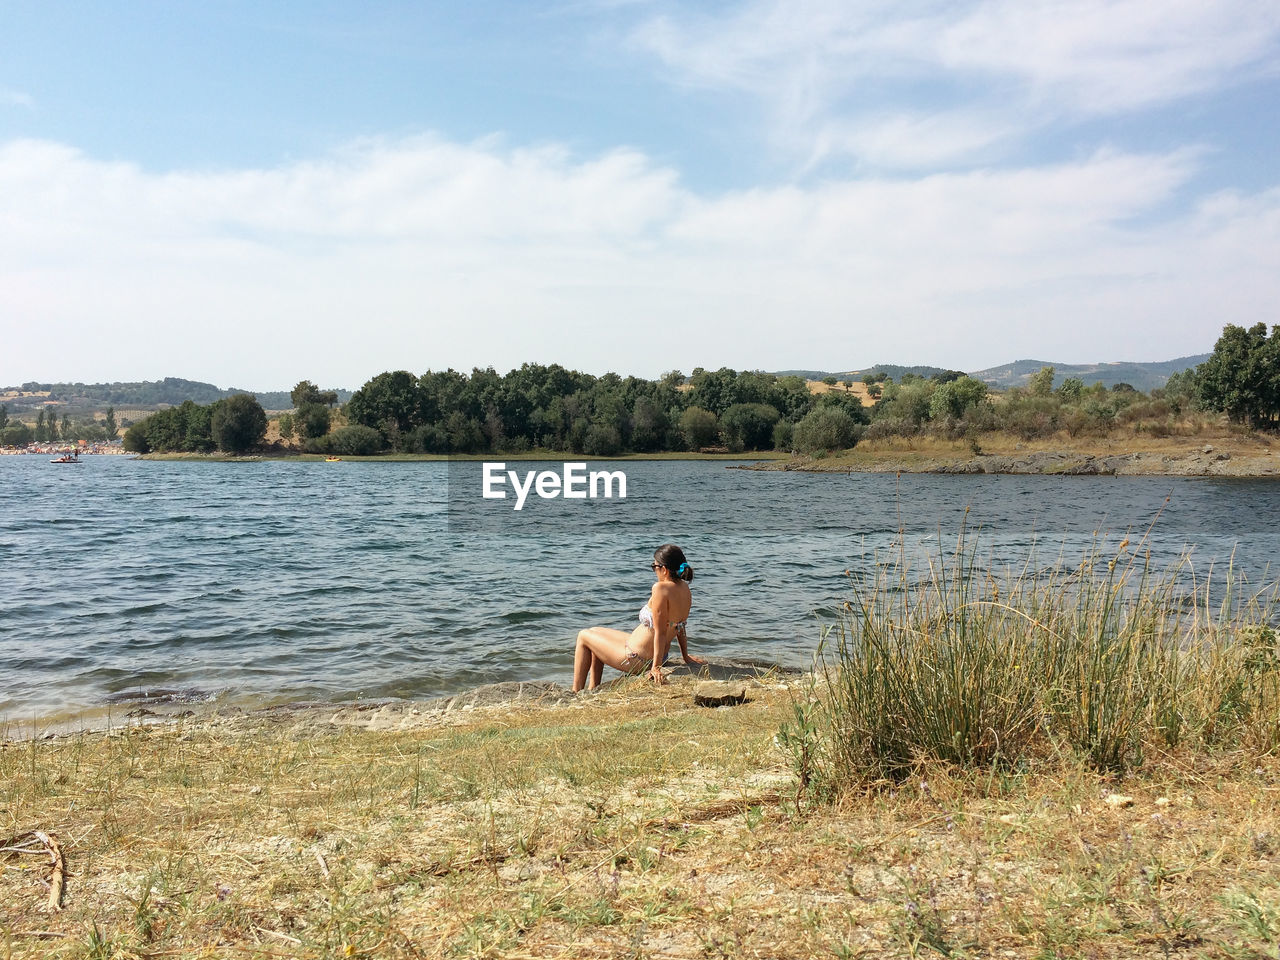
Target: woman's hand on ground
x=690 y=658
x=658 y=676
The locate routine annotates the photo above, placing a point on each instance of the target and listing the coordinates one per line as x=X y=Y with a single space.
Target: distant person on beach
x=662 y=619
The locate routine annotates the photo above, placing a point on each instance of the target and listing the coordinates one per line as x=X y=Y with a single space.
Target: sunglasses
x=657 y=566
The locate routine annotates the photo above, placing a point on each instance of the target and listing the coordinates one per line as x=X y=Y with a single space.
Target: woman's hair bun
x=672 y=557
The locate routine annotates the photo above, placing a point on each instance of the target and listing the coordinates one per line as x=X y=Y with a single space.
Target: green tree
x=908 y=401
x=1040 y=384
x=239 y=423
x=954 y=397
x=4 y=416
x=389 y=402
x=648 y=425
x=313 y=419
x=749 y=426
x=1180 y=391
x=285 y=423
x=829 y=381
x=90 y=432
x=825 y=428
x=699 y=427
x=602 y=440
x=66 y=426
x=464 y=433
x=782 y=434
x=352 y=440
x=16 y=434
x=135 y=438
x=1071 y=390
x=1241 y=378
x=197 y=426
x=714 y=390
x=112 y=428
x=307 y=392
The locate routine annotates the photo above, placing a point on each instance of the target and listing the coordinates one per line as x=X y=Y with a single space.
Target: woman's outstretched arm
x=684 y=647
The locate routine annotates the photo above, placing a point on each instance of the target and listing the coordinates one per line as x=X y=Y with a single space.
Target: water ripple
x=129 y=580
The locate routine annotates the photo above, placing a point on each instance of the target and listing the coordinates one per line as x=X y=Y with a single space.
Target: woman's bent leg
x=583 y=661
x=596 y=647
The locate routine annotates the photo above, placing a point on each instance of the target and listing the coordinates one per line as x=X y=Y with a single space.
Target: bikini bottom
x=632 y=658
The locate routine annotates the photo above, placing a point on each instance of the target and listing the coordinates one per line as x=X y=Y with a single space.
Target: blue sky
x=252 y=194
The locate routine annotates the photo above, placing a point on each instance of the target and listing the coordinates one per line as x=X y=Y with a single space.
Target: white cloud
x=425 y=253
x=15 y=98
x=950 y=80
x=1103 y=56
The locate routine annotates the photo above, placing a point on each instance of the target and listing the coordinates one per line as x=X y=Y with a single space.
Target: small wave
x=526 y=616
x=161 y=695
x=143 y=608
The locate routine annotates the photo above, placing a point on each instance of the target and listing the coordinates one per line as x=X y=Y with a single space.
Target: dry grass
x=859 y=390
x=627 y=824
x=946 y=658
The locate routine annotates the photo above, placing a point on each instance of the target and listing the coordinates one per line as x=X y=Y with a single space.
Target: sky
x=252 y=194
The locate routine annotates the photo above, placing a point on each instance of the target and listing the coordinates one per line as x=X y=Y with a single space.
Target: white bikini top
x=646 y=617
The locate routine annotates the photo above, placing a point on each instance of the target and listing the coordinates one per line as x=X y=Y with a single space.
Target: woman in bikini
x=661 y=619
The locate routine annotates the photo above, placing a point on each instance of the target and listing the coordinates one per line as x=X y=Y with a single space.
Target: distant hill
x=170 y=391
x=1141 y=376
x=888 y=369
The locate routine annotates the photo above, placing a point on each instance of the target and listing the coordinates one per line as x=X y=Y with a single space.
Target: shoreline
x=1244 y=457
x=379 y=713
x=1239 y=457
x=532 y=455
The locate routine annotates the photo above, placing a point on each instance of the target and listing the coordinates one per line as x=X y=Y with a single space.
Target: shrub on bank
x=1106 y=659
x=237 y=424
x=349 y=441
x=825 y=428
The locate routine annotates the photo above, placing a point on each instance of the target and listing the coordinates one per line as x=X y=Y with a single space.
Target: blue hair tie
x=681 y=569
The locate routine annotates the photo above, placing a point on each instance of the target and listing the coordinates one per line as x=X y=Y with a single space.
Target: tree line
x=540 y=407
x=553 y=408
x=49 y=429
x=235 y=425
x=534 y=407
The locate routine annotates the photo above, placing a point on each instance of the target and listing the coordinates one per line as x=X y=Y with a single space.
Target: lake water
x=279 y=580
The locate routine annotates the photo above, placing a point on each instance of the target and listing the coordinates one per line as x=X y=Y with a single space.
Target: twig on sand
x=58 y=877
x=42 y=842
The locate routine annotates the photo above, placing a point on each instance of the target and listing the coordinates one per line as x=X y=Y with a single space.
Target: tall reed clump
x=1103 y=658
